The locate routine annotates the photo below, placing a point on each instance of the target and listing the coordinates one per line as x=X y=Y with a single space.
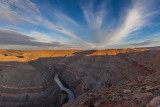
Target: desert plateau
x=112 y=77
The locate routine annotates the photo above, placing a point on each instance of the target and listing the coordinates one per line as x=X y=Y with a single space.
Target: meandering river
x=68 y=91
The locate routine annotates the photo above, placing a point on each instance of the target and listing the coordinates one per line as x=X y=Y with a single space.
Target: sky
x=79 y=24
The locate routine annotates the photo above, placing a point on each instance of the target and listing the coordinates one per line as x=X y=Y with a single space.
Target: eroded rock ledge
x=25 y=85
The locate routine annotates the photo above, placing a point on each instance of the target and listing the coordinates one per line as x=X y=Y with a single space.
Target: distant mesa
x=27 y=55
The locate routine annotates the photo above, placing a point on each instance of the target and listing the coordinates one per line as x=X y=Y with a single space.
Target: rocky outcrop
x=155 y=102
x=116 y=51
x=137 y=94
x=143 y=98
x=126 y=91
x=24 y=85
x=27 y=55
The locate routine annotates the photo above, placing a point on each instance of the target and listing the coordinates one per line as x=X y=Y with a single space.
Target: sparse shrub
x=114 y=101
x=109 y=97
x=140 y=85
x=143 y=88
x=153 y=85
x=157 y=92
x=120 y=95
x=129 y=88
x=143 y=105
x=155 y=81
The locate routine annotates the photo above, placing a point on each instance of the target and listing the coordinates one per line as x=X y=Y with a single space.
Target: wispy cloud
x=17 y=10
x=144 y=43
x=53 y=27
x=138 y=16
x=64 y=19
x=13 y=27
x=141 y=43
x=25 y=11
x=9 y=37
x=41 y=37
x=94 y=15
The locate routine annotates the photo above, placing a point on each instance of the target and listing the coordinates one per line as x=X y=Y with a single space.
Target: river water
x=68 y=91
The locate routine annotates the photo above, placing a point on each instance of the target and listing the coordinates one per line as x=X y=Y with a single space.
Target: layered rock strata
x=85 y=71
x=81 y=71
x=22 y=85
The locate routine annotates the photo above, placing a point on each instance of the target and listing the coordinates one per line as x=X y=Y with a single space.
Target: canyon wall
x=22 y=85
x=82 y=71
x=86 y=70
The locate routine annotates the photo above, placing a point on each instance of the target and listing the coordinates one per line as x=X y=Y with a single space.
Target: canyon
x=97 y=78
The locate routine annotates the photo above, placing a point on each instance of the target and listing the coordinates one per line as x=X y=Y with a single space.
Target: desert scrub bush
x=120 y=95
x=130 y=87
x=115 y=101
x=140 y=85
x=110 y=97
x=155 y=81
x=143 y=87
x=153 y=85
x=143 y=105
x=156 y=92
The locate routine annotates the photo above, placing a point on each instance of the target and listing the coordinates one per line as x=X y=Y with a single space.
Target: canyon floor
x=98 y=78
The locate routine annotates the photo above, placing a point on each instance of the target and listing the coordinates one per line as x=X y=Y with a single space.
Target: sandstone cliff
x=26 y=55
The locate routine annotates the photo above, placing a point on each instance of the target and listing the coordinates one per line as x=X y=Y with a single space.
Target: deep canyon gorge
x=28 y=78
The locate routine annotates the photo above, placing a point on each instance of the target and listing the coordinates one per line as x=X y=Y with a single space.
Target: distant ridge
x=28 y=55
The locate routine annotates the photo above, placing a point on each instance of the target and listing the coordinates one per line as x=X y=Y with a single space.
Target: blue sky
x=79 y=24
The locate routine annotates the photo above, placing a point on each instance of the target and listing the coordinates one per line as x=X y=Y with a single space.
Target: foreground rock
x=143 y=98
x=127 y=91
x=24 y=85
x=155 y=102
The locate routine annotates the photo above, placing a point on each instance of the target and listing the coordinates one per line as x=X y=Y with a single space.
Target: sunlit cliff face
x=23 y=56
